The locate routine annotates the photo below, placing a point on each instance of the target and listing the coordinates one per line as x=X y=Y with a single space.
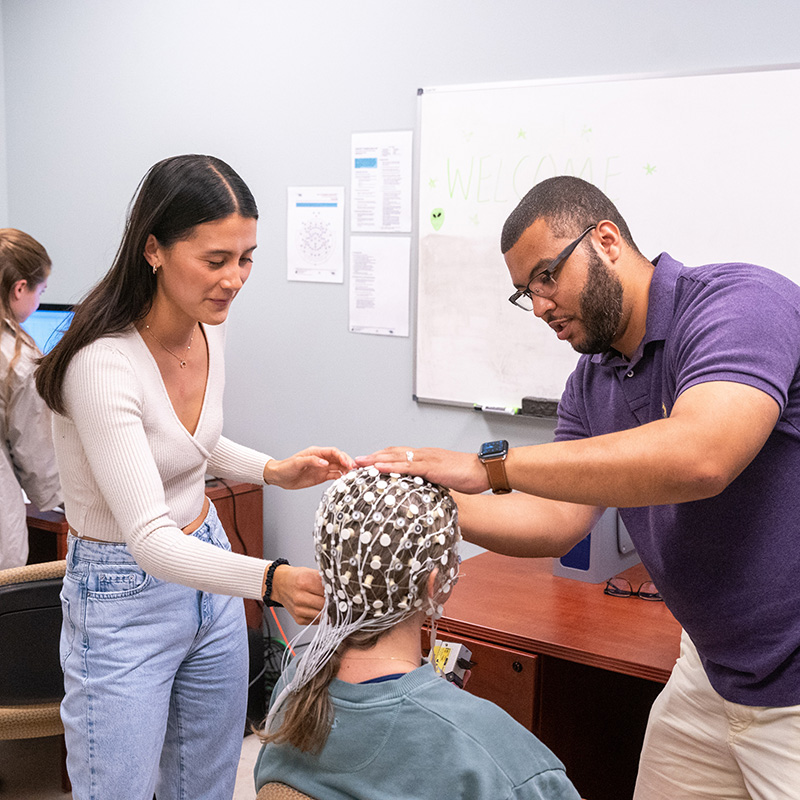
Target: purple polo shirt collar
x=661 y=302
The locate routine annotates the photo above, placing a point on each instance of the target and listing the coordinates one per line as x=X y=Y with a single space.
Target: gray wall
x=97 y=91
x=3 y=174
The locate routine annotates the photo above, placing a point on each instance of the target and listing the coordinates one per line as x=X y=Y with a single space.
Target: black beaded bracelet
x=268 y=601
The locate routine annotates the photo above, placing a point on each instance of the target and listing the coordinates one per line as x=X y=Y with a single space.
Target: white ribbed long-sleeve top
x=131 y=472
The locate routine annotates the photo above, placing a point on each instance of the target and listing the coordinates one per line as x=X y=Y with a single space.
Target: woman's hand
x=308 y=468
x=460 y=471
x=299 y=590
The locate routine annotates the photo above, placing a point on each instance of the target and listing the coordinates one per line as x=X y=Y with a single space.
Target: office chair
x=280 y=791
x=31 y=681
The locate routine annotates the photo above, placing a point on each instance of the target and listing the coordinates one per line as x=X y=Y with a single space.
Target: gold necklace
x=181 y=361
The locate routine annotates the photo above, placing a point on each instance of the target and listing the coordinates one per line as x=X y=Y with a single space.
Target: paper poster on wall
x=381 y=182
x=379 y=273
x=315 y=235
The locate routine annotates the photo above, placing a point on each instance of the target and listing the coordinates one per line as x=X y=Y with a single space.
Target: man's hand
x=460 y=471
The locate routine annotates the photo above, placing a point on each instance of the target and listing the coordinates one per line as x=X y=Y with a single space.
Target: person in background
x=683 y=412
x=360 y=714
x=154 y=644
x=27 y=459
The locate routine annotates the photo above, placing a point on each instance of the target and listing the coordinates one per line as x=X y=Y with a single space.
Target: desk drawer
x=509 y=678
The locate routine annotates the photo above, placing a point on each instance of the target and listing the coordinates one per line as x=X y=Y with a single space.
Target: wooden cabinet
x=509 y=678
x=47 y=535
x=240 y=509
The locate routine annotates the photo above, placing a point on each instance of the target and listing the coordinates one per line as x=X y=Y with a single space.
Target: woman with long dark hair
x=154 y=641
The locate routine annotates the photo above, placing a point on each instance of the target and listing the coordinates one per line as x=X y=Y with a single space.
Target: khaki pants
x=698 y=745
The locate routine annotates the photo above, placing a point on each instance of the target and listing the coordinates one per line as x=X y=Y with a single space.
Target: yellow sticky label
x=442 y=655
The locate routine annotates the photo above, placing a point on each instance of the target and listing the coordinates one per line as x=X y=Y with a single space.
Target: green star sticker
x=649 y=168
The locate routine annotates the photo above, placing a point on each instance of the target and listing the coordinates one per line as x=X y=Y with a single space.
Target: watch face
x=497 y=448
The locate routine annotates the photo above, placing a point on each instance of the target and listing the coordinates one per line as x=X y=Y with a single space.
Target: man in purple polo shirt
x=683 y=412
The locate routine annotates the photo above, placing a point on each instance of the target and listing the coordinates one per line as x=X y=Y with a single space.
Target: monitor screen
x=47 y=324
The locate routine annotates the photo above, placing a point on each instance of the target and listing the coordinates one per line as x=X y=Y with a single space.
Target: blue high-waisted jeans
x=155 y=676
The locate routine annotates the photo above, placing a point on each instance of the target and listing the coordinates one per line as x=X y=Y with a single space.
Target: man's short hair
x=568 y=204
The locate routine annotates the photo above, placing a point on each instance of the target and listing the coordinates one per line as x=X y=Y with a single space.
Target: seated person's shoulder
x=478 y=726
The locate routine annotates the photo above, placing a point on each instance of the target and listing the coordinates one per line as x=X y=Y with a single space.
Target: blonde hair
x=377 y=540
x=22 y=258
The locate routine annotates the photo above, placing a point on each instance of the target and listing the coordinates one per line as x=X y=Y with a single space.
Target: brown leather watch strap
x=496 y=470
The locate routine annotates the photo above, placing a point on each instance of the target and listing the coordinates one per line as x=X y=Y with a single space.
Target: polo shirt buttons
x=629 y=374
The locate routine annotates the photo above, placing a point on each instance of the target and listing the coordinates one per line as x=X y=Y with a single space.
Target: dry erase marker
x=500 y=409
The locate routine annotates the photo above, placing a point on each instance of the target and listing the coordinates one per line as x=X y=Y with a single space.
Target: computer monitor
x=47 y=324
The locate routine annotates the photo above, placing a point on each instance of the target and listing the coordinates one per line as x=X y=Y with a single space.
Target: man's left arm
x=714 y=431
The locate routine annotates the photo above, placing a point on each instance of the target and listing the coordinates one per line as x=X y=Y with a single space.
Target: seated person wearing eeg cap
x=359 y=714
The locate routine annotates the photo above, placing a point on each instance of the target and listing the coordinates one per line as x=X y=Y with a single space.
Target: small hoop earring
x=155 y=268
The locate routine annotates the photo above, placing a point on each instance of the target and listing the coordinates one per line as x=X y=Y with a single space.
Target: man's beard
x=601 y=307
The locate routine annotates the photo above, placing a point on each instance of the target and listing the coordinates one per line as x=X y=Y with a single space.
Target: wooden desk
x=577 y=667
x=239 y=505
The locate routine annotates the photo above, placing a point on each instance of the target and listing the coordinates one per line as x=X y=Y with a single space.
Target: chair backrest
x=30 y=627
x=280 y=791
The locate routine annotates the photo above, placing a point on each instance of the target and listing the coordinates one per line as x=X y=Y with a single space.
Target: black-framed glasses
x=543 y=284
x=620 y=587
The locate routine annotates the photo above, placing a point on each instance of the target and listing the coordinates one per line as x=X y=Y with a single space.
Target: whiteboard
x=705 y=167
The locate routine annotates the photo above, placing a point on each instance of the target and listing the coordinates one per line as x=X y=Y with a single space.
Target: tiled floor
x=30 y=769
